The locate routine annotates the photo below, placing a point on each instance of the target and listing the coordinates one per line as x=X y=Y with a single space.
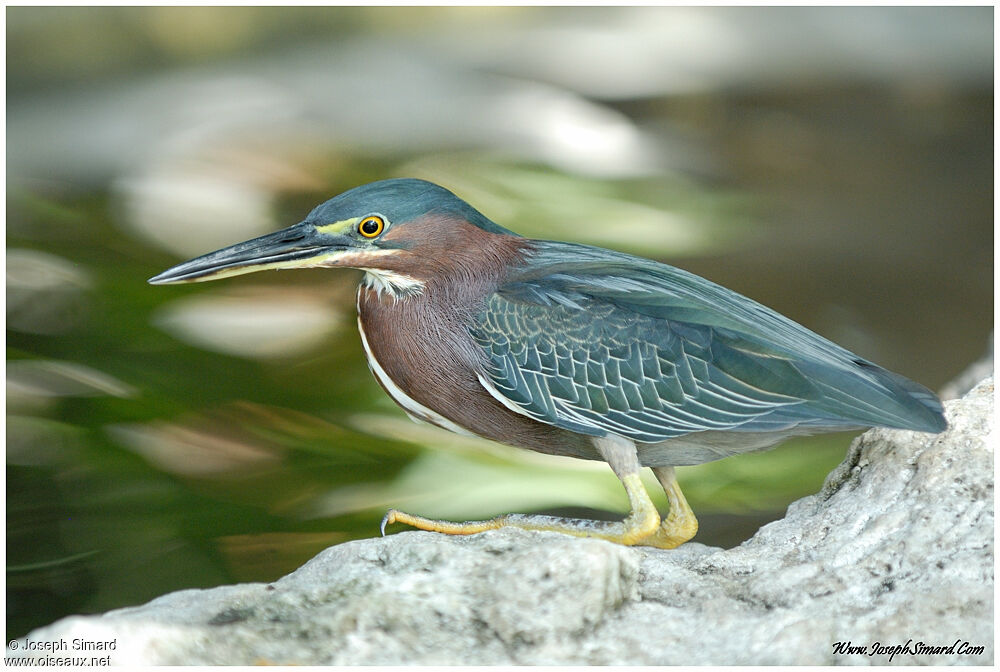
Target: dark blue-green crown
x=400 y=200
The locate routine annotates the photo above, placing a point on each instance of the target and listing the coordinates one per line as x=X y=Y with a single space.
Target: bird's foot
x=628 y=532
x=443 y=526
x=643 y=522
x=674 y=531
x=680 y=525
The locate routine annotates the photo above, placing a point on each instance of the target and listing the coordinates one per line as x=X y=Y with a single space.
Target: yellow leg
x=643 y=521
x=680 y=525
x=642 y=526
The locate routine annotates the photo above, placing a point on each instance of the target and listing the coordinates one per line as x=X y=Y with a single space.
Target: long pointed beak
x=299 y=246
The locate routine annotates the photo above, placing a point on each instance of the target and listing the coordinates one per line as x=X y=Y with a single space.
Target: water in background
x=834 y=164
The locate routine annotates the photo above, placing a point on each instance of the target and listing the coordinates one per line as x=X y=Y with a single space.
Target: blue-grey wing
x=598 y=342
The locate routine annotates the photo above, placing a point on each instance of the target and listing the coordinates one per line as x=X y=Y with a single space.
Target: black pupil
x=370 y=226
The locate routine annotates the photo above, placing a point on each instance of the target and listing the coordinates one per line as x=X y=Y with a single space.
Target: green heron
x=572 y=350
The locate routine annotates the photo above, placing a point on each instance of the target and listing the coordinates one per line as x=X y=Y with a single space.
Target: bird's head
x=403 y=232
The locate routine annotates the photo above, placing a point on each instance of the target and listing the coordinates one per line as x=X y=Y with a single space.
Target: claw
x=388 y=518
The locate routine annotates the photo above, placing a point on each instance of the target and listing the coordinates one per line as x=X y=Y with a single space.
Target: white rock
x=896 y=550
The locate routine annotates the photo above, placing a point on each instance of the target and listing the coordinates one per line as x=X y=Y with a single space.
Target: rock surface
x=896 y=548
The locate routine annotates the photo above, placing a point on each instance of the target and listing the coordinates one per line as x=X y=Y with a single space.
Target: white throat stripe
x=394 y=284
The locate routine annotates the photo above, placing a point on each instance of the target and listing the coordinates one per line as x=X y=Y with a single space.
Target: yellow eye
x=369 y=227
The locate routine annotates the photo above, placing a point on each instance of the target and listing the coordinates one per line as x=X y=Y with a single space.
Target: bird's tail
x=876 y=397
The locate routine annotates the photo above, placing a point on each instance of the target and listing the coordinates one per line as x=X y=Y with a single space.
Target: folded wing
x=602 y=343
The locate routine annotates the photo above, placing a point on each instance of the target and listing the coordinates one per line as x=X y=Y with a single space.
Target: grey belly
x=701 y=447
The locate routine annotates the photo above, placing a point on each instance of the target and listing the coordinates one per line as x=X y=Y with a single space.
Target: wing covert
x=593 y=367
